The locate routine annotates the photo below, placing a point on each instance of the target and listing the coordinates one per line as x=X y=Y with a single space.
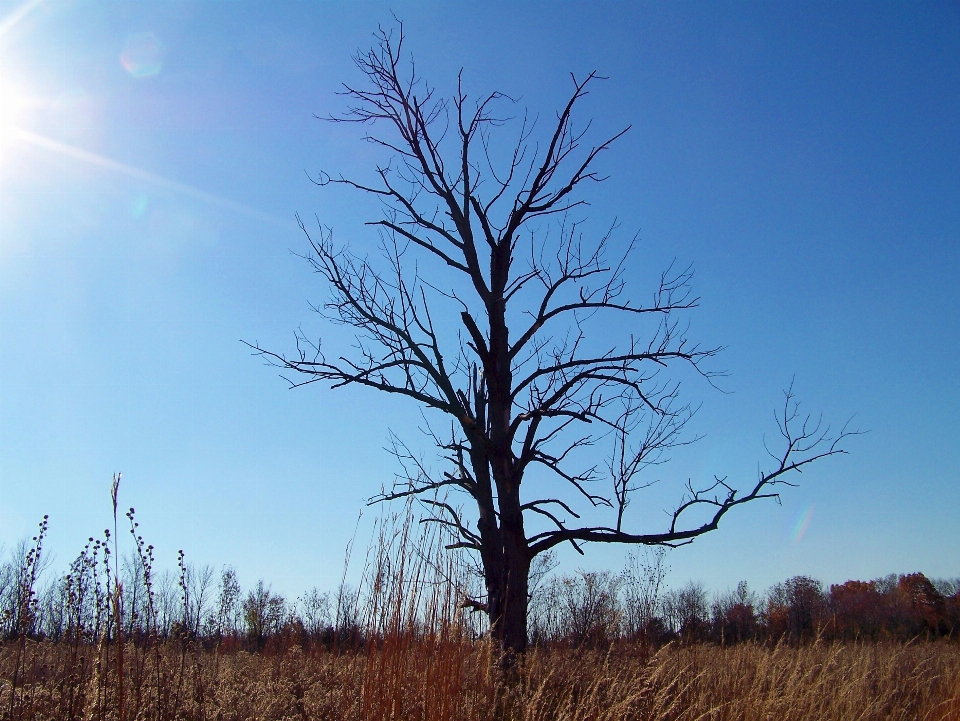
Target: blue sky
x=805 y=157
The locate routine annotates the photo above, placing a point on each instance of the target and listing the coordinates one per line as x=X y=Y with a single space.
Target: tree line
x=98 y=599
x=602 y=607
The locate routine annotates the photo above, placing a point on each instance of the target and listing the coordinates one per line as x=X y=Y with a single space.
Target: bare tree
x=643 y=586
x=527 y=381
x=264 y=613
x=687 y=611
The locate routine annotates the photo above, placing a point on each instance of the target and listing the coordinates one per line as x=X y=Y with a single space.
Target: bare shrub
x=315 y=610
x=579 y=608
x=734 y=615
x=642 y=589
x=687 y=612
x=264 y=613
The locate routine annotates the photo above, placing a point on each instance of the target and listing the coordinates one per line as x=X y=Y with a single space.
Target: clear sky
x=805 y=157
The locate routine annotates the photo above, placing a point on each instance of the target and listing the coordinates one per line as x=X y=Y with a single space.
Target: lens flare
x=140 y=205
x=142 y=55
x=801 y=525
x=99 y=161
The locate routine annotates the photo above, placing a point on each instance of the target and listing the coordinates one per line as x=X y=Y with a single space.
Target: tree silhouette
x=528 y=380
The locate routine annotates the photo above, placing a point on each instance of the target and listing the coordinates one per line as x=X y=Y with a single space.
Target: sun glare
x=12 y=106
x=17 y=113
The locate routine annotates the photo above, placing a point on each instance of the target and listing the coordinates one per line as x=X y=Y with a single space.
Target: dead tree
x=497 y=338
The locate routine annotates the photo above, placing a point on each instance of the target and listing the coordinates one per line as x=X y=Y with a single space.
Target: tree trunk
x=505 y=555
x=508 y=567
x=507 y=599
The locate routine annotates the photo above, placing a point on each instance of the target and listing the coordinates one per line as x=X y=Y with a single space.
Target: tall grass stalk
x=117 y=596
x=25 y=612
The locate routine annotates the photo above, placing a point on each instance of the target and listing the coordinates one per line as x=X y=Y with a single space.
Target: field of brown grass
x=403 y=678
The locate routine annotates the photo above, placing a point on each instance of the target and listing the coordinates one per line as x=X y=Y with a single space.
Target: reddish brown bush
x=926 y=608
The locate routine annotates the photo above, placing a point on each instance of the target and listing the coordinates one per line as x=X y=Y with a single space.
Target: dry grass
x=451 y=678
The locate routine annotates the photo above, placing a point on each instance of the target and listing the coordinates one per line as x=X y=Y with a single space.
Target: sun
x=13 y=101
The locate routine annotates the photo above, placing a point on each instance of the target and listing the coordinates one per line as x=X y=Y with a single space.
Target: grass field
x=429 y=678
